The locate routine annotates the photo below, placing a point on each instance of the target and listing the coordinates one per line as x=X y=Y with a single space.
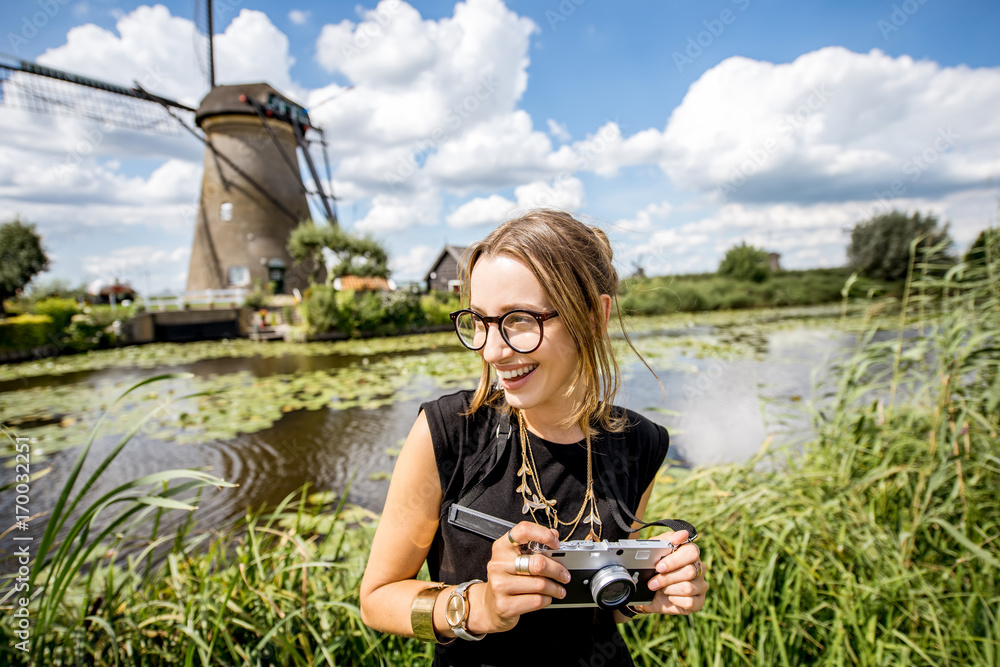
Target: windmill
x=252 y=191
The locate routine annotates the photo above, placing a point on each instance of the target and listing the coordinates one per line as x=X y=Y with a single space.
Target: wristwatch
x=458 y=612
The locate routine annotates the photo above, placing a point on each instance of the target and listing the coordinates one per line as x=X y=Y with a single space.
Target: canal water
x=727 y=388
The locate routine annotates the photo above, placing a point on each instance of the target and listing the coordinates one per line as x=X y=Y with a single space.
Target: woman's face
x=535 y=382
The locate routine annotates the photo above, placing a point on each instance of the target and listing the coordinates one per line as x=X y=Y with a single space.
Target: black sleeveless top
x=462 y=448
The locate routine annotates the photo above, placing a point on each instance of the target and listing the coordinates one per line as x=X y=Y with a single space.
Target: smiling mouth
x=516 y=373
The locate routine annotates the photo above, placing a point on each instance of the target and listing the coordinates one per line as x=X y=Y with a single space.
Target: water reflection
x=717 y=409
x=723 y=411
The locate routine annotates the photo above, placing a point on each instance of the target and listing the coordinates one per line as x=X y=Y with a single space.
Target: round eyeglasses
x=520 y=329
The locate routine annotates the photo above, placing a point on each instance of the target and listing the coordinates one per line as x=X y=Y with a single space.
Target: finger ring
x=699 y=569
x=511 y=538
x=522 y=564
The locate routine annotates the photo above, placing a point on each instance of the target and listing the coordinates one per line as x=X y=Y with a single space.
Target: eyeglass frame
x=487 y=321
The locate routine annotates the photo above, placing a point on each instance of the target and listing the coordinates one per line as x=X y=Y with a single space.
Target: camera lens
x=612 y=587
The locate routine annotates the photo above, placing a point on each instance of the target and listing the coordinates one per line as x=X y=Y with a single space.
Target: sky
x=680 y=128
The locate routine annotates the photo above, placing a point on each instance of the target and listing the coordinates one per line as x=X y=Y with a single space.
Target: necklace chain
x=534 y=499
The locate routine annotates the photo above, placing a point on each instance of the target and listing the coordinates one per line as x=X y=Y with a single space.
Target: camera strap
x=492 y=528
x=460 y=514
x=618 y=506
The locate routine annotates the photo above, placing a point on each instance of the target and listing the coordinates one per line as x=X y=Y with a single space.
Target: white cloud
x=299 y=16
x=415 y=263
x=835 y=125
x=151 y=46
x=500 y=153
x=481 y=211
x=390 y=213
x=565 y=194
x=558 y=130
x=253 y=49
x=423 y=87
x=644 y=219
x=120 y=262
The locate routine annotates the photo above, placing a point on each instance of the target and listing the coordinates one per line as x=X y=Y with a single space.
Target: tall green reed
x=276 y=588
x=879 y=542
x=875 y=544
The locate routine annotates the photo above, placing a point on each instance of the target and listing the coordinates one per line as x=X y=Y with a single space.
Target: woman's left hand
x=679 y=581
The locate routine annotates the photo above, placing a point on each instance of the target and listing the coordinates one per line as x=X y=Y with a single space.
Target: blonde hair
x=573 y=263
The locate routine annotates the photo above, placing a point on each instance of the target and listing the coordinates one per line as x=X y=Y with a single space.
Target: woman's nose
x=496 y=348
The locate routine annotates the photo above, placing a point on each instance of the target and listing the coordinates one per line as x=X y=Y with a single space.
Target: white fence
x=210 y=298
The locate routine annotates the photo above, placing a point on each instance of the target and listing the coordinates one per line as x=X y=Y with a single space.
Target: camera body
x=608 y=574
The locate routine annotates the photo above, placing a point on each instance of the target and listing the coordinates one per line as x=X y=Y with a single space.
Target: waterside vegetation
x=877 y=543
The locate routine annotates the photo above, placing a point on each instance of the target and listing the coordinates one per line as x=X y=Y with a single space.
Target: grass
x=710 y=291
x=876 y=544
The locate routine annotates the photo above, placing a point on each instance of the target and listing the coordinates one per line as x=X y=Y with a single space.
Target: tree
x=745 y=262
x=21 y=257
x=880 y=246
x=352 y=255
x=985 y=247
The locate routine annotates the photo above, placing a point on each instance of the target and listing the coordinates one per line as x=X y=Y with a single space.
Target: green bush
x=60 y=310
x=326 y=309
x=437 y=305
x=880 y=247
x=319 y=307
x=402 y=310
x=745 y=262
x=707 y=291
x=25 y=332
x=87 y=332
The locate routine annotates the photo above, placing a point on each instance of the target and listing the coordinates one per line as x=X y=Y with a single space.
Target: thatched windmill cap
x=232 y=100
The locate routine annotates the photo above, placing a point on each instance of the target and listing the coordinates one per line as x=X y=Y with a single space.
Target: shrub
x=327 y=309
x=880 y=246
x=60 y=310
x=25 y=332
x=88 y=331
x=437 y=305
x=320 y=308
x=402 y=309
x=745 y=262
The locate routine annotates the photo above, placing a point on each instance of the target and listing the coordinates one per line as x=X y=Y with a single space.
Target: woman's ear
x=606 y=308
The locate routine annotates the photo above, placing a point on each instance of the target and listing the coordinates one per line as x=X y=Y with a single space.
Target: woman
x=540 y=445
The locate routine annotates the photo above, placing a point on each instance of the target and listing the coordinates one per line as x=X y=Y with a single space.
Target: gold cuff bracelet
x=422 y=613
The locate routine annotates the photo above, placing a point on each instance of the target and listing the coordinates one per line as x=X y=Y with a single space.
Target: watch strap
x=461 y=628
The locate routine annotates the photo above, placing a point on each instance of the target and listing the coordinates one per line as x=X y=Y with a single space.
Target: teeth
x=510 y=375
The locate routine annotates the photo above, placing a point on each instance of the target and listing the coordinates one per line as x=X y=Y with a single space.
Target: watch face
x=456 y=609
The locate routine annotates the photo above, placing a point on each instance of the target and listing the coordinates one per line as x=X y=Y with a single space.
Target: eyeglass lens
x=520 y=330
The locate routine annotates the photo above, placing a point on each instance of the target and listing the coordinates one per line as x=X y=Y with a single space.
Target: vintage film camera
x=607 y=574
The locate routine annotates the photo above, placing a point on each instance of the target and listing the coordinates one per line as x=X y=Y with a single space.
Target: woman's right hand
x=506 y=595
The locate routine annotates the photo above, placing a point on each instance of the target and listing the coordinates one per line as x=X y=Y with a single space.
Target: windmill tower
x=252 y=192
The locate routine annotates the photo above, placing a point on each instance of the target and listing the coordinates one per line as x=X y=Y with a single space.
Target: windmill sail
x=40 y=89
x=252 y=194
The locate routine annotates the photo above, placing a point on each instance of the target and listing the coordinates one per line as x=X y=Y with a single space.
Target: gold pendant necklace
x=534 y=499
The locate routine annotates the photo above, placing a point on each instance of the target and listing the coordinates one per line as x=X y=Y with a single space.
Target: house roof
x=455 y=251
x=362 y=284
